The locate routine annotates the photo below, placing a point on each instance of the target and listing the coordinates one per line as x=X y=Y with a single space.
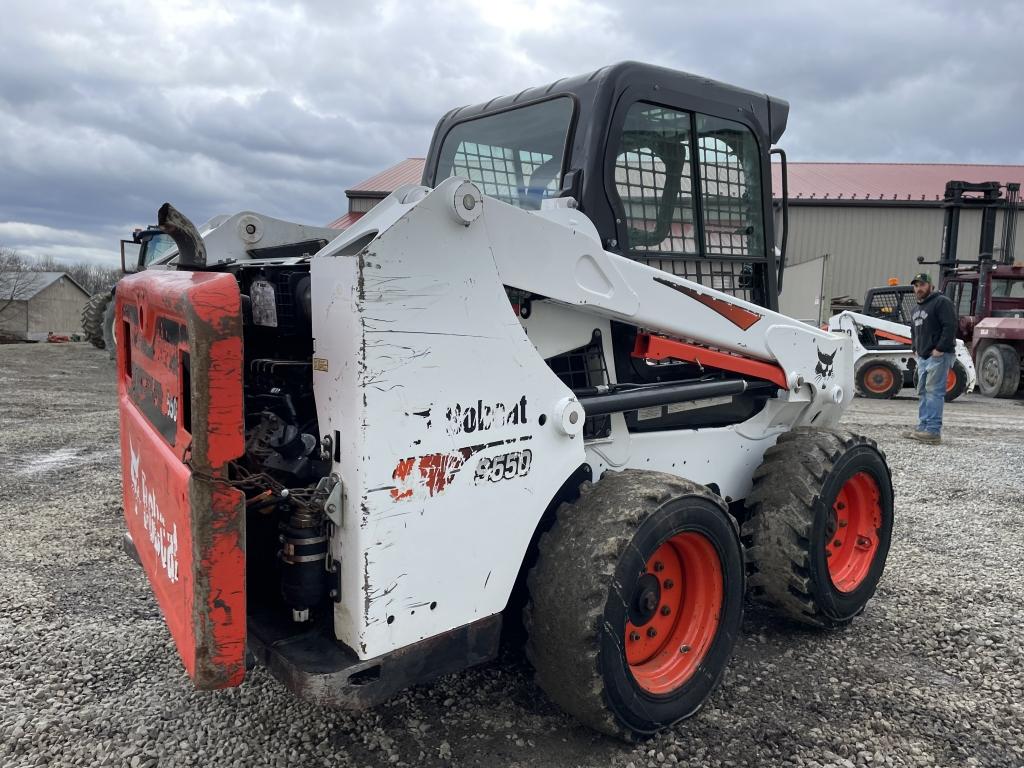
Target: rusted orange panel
x=181 y=403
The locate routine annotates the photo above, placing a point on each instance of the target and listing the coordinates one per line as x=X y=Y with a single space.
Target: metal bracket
x=332 y=507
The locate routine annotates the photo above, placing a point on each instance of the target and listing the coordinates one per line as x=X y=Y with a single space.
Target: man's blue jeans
x=931 y=389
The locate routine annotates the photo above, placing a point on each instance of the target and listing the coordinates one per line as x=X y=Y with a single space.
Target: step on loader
x=546 y=385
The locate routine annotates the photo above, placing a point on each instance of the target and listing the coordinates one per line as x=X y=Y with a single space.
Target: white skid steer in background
x=549 y=383
x=884 y=361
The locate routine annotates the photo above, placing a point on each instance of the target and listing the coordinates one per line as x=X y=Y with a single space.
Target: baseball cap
x=921 y=277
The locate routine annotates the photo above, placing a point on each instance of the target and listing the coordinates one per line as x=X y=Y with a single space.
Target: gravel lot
x=930 y=675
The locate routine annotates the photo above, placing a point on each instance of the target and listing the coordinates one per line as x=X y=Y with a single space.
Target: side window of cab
x=964 y=298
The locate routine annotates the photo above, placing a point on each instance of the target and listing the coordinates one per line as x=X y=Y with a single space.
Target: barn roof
x=914 y=182
x=409 y=171
x=42 y=280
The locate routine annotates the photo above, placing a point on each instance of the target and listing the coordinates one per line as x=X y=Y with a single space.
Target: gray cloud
x=109 y=108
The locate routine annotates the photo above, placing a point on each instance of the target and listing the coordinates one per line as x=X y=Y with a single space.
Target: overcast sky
x=107 y=109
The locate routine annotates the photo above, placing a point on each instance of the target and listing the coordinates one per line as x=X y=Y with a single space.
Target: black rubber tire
x=576 y=614
x=109 y=342
x=786 y=531
x=865 y=370
x=92 y=318
x=959 y=387
x=999 y=371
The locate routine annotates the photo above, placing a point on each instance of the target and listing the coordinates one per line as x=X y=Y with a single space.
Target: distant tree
x=92 y=277
x=15 y=269
x=16 y=280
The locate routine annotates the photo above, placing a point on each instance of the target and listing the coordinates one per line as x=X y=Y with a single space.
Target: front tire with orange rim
x=819 y=525
x=636 y=602
x=878 y=379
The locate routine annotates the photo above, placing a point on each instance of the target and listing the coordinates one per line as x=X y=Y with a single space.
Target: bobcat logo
x=824 y=369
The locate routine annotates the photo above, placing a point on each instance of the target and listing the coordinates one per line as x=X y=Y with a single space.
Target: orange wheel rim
x=950 y=380
x=674 y=613
x=879 y=379
x=853 y=539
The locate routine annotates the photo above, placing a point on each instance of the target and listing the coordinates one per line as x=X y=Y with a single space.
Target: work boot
x=923 y=437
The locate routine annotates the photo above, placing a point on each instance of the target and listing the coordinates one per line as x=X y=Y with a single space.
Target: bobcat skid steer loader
x=884 y=361
x=549 y=384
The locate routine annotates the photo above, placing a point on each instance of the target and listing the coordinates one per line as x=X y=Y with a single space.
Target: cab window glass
x=157 y=248
x=653 y=179
x=730 y=187
x=965 y=299
x=1007 y=289
x=515 y=156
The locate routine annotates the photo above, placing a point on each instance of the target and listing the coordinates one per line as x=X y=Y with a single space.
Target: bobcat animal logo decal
x=824 y=369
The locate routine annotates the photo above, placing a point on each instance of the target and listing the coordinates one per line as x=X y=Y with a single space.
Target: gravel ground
x=930 y=675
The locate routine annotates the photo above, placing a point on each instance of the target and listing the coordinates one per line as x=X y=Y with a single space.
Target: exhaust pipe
x=191 y=250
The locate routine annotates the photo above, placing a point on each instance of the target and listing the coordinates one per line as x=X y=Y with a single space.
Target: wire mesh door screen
x=504 y=173
x=895 y=306
x=655 y=180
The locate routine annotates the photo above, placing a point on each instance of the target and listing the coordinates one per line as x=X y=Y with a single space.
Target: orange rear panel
x=179 y=363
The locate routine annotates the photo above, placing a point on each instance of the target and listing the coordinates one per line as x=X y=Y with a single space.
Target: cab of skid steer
x=673 y=169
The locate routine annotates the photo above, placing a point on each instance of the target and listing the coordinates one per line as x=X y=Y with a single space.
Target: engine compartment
x=284 y=470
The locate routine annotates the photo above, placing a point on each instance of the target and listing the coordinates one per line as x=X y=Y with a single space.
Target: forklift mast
x=988 y=197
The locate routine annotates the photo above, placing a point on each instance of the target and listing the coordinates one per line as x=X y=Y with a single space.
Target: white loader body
x=896 y=337
x=454 y=434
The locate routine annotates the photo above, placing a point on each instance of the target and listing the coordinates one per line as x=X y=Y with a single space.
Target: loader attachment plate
x=179 y=362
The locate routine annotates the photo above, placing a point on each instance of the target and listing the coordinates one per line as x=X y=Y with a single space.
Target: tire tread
x=781 y=516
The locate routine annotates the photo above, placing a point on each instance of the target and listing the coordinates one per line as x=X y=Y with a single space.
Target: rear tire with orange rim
x=956 y=381
x=636 y=602
x=819 y=525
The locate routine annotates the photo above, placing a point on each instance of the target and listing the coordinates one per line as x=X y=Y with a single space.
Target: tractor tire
x=92 y=318
x=956 y=381
x=999 y=371
x=878 y=379
x=635 y=602
x=819 y=525
x=109 y=339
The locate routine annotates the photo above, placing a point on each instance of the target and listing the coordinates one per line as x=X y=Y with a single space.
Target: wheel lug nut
x=836 y=543
x=669 y=583
x=684 y=649
x=652 y=632
x=659 y=566
x=665 y=610
x=634 y=635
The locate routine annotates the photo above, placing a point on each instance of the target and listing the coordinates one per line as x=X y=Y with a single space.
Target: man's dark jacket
x=933 y=324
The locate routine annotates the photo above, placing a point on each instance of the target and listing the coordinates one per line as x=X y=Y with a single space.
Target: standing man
x=933 y=327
